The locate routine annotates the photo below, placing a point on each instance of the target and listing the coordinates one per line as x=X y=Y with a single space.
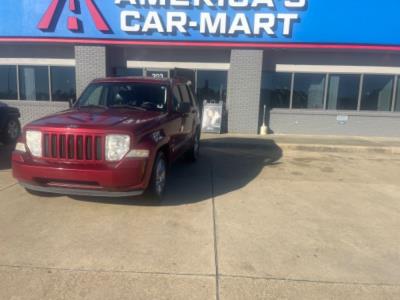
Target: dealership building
x=319 y=67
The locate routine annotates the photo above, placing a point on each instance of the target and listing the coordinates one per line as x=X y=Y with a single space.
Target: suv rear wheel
x=158 y=180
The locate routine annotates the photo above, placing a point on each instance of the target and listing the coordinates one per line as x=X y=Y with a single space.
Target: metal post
x=291 y=92
x=360 y=92
x=326 y=91
x=394 y=96
x=18 y=87
x=49 y=75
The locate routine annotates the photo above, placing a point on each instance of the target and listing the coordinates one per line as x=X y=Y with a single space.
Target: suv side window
x=176 y=98
x=192 y=98
x=185 y=94
x=96 y=95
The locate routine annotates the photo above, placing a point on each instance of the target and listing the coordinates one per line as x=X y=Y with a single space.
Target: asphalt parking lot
x=248 y=221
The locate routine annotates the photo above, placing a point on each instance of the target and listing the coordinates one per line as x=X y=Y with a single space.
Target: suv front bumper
x=127 y=178
x=80 y=192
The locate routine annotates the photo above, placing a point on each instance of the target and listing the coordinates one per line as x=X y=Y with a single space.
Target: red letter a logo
x=51 y=16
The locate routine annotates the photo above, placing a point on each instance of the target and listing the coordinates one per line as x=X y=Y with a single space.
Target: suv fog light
x=139 y=153
x=34 y=142
x=20 y=147
x=117 y=146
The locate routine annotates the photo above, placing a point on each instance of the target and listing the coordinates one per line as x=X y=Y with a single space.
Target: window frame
x=173 y=108
x=36 y=63
x=46 y=68
x=395 y=100
x=391 y=95
x=323 y=107
x=16 y=82
x=191 y=96
x=263 y=88
x=182 y=89
x=51 y=67
x=360 y=84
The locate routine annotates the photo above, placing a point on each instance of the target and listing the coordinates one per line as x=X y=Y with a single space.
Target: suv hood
x=97 y=118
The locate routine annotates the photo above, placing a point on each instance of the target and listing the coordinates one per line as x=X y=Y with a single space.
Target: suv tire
x=12 y=131
x=194 y=151
x=41 y=194
x=158 y=181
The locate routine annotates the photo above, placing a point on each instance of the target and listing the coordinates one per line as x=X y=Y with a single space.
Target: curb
x=342 y=149
x=375 y=147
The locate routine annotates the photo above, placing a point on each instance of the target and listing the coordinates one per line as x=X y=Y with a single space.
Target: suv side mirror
x=185 y=108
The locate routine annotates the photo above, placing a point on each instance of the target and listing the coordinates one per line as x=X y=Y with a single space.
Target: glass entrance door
x=211 y=86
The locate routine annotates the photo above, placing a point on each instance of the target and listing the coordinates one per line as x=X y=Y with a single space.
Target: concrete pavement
x=247 y=221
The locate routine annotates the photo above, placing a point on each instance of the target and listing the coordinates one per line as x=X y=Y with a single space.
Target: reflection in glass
x=63 y=83
x=377 y=92
x=343 y=91
x=397 y=106
x=308 y=91
x=34 y=83
x=275 y=90
x=211 y=86
x=8 y=83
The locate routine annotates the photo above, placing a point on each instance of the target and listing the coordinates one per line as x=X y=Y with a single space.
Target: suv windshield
x=142 y=96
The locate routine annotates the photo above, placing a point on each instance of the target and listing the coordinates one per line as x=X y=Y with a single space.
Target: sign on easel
x=212 y=118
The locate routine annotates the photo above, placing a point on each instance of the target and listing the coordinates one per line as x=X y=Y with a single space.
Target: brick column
x=244 y=89
x=91 y=63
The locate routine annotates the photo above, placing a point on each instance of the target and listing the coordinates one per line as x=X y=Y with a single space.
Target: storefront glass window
x=211 y=86
x=63 y=83
x=128 y=72
x=275 y=90
x=8 y=83
x=377 y=92
x=34 y=83
x=343 y=91
x=308 y=91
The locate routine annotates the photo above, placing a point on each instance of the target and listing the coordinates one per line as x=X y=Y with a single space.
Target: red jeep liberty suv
x=117 y=140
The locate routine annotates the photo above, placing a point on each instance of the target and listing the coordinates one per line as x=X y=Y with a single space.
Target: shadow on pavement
x=226 y=165
x=5 y=156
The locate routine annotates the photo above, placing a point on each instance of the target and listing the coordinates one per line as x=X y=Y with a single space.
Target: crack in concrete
x=310 y=280
x=8 y=186
x=104 y=271
x=200 y=275
x=217 y=292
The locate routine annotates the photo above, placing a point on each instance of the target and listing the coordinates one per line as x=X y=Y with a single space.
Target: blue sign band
x=255 y=22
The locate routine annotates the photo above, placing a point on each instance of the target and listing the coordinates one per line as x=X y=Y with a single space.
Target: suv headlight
x=34 y=142
x=117 y=146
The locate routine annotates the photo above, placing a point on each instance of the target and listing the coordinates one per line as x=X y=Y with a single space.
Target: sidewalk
x=317 y=143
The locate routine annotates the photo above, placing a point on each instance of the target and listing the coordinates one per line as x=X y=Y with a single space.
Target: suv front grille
x=73 y=147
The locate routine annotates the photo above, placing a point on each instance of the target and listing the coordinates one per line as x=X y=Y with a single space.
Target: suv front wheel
x=158 y=180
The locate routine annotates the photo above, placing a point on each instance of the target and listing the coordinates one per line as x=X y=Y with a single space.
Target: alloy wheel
x=161 y=175
x=196 y=146
x=13 y=130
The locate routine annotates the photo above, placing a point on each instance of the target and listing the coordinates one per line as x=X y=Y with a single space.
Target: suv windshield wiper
x=127 y=106
x=93 y=106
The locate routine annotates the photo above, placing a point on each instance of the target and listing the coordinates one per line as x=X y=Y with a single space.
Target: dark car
x=10 y=127
x=116 y=141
